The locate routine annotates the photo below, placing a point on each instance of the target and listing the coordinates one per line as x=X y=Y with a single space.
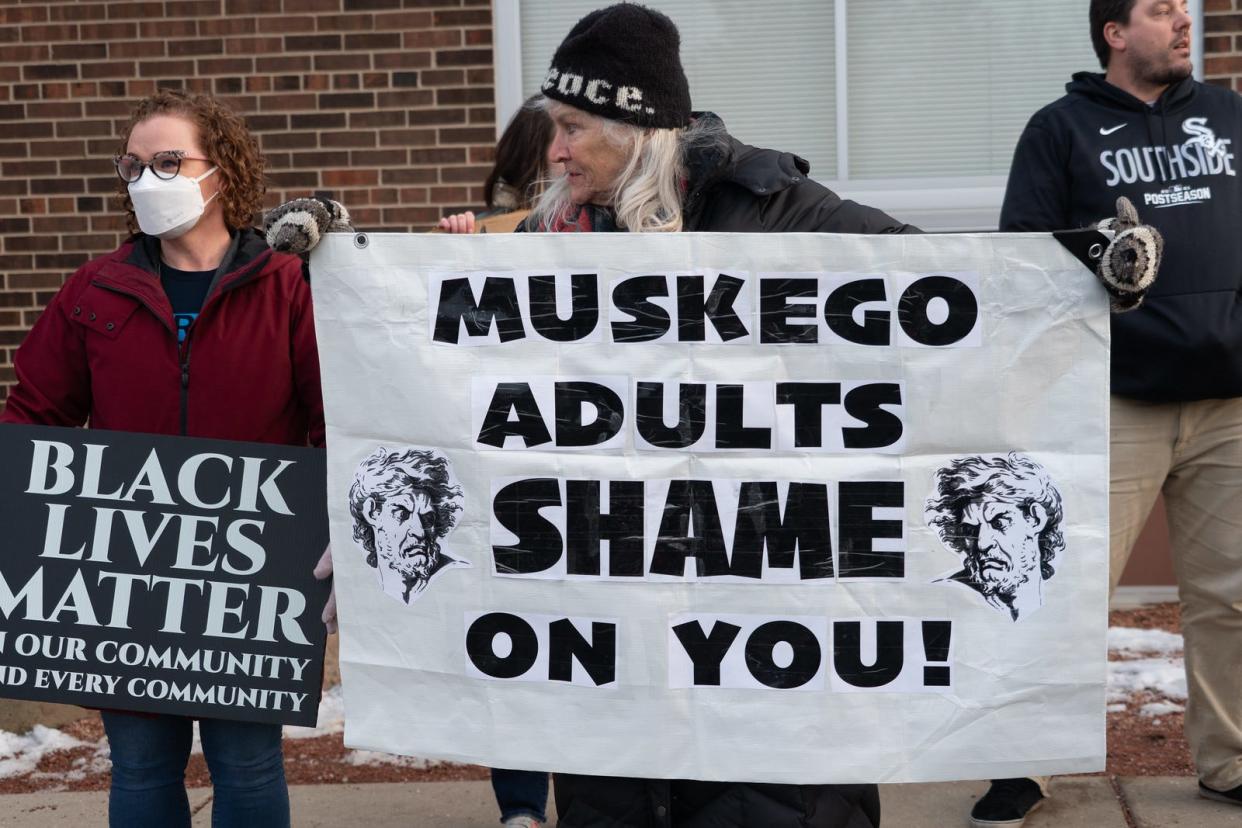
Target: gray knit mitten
x=296 y=226
x=1128 y=267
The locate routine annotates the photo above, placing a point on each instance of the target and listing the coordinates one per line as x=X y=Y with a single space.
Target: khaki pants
x=1193 y=453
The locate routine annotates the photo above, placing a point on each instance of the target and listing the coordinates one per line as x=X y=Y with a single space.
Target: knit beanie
x=623 y=62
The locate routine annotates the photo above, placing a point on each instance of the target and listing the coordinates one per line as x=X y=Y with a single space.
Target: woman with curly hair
x=193 y=326
x=521 y=171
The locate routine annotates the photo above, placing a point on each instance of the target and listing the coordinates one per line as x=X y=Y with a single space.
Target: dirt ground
x=1143 y=745
x=1138 y=745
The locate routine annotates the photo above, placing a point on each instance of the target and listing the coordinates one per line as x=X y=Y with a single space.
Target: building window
x=911 y=106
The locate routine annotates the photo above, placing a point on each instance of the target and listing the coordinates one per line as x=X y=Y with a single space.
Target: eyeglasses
x=164 y=165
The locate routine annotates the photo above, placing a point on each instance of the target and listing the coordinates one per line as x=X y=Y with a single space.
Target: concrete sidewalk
x=1077 y=802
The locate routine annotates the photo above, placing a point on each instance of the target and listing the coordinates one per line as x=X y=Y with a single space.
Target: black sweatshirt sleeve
x=1037 y=195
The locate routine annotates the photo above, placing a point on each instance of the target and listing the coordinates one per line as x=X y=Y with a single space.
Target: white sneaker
x=521 y=821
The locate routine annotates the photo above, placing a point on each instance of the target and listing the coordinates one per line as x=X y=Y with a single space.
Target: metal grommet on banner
x=110 y=326
x=1095 y=251
x=361 y=240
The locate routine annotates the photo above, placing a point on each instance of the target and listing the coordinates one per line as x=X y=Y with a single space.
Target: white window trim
x=1196 y=28
x=507 y=60
x=933 y=203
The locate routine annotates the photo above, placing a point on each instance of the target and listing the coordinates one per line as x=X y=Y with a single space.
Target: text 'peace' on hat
x=623 y=62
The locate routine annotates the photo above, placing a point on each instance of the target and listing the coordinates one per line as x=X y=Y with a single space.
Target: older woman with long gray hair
x=638 y=160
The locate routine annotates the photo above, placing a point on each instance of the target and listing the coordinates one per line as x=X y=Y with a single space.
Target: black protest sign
x=161 y=574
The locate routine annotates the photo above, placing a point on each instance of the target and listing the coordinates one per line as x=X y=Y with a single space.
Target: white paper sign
x=771 y=508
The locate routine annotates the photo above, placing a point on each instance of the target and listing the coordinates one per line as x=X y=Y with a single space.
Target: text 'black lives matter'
x=161 y=574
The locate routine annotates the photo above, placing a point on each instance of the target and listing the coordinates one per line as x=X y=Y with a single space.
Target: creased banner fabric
x=772 y=508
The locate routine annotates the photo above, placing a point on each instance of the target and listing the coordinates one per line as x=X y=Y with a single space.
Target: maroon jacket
x=105 y=351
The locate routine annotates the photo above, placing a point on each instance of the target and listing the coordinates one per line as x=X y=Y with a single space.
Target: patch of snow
x=331 y=717
x=97 y=763
x=1151 y=667
x=20 y=754
x=80 y=770
x=370 y=757
x=1131 y=640
x=1163 y=677
x=1160 y=708
x=1116 y=708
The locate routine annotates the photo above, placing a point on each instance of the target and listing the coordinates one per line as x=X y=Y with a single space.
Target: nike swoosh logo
x=1104 y=131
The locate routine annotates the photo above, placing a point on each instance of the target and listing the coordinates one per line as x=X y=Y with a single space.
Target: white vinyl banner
x=772 y=508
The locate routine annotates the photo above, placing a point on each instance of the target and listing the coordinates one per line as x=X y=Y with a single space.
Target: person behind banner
x=193 y=326
x=521 y=170
x=638 y=160
x=1146 y=130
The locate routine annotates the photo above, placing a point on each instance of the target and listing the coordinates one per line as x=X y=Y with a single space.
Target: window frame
x=941 y=204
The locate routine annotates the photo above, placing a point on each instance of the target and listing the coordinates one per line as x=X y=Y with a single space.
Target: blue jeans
x=149 y=754
x=521 y=792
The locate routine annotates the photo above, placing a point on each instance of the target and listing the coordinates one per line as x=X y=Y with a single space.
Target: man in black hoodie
x=1146 y=130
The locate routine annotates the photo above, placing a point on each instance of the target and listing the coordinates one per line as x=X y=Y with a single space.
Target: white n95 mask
x=168 y=209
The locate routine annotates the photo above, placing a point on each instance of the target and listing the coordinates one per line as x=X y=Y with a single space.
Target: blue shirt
x=186 y=289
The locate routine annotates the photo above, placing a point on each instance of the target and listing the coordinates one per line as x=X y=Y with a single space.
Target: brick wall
x=387 y=105
x=1222 y=42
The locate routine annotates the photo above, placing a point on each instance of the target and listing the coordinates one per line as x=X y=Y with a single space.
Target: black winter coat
x=615 y=802
x=736 y=188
